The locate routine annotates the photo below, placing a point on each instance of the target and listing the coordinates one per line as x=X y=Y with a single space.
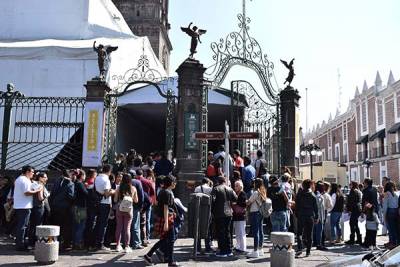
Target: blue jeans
x=35 y=220
x=318 y=228
x=279 y=221
x=22 y=225
x=79 y=224
x=336 y=231
x=392 y=224
x=135 y=229
x=148 y=223
x=101 y=223
x=257 y=229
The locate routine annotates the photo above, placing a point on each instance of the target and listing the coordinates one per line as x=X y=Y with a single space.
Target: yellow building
x=329 y=171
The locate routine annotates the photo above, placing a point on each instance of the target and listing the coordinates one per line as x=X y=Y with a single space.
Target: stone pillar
x=94 y=124
x=282 y=252
x=289 y=128
x=188 y=149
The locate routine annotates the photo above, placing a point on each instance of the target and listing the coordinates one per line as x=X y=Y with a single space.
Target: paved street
x=10 y=258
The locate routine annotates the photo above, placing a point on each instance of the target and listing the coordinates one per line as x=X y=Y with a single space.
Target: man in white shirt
x=103 y=187
x=205 y=188
x=23 y=203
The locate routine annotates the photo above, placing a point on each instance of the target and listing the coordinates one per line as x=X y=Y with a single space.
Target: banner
x=93 y=134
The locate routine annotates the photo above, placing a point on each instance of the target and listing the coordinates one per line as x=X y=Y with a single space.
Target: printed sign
x=93 y=134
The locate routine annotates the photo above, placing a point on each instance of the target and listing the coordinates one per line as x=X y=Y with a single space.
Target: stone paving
x=10 y=258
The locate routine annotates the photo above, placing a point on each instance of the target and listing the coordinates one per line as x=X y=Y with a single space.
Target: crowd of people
x=132 y=201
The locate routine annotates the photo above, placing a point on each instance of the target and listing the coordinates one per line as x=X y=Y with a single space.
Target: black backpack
x=262 y=170
x=94 y=197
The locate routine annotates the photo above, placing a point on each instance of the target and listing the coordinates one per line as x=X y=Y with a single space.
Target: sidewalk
x=183 y=253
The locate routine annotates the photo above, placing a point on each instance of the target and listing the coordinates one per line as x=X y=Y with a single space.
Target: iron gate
x=45 y=132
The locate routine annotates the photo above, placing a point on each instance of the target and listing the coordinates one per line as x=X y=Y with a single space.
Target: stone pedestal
x=94 y=128
x=189 y=117
x=282 y=253
x=289 y=129
x=46 y=246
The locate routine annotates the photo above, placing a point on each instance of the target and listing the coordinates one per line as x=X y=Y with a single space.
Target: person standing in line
x=61 y=201
x=167 y=213
x=371 y=226
x=205 y=188
x=23 y=203
x=248 y=176
x=336 y=213
x=80 y=209
x=222 y=196
x=257 y=197
x=91 y=210
x=369 y=195
x=239 y=218
x=136 y=241
x=353 y=207
x=307 y=215
x=125 y=195
x=103 y=187
x=319 y=227
x=328 y=207
x=390 y=212
x=279 y=215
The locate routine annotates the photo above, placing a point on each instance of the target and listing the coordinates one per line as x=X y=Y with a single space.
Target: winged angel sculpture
x=195 y=34
x=291 y=74
x=103 y=53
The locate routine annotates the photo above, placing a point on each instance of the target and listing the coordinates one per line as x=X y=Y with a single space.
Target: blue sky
x=358 y=37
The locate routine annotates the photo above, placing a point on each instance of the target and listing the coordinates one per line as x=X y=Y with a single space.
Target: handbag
x=227 y=207
x=238 y=210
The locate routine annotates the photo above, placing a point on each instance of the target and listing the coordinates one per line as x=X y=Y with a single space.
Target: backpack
x=262 y=170
x=94 y=197
x=126 y=204
x=265 y=208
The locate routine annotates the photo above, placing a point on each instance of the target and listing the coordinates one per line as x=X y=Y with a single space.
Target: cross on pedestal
x=226 y=136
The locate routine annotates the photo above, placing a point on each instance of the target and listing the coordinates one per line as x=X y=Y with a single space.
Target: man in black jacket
x=354 y=208
x=370 y=195
x=61 y=200
x=307 y=216
x=222 y=196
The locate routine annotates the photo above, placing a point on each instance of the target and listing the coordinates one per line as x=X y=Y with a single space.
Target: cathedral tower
x=149 y=18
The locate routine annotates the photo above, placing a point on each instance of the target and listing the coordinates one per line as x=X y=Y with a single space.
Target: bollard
x=46 y=246
x=282 y=253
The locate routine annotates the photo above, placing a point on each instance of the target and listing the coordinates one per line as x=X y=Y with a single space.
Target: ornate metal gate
x=261 y=111
x=45 y=132
x=142 y=74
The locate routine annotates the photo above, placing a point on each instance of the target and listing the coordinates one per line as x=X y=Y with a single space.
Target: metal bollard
x=282 y=253
x=46 y=246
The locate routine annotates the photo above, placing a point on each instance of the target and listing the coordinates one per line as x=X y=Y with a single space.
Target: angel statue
x=291 y=74
x=195 y=34
x=103 y=53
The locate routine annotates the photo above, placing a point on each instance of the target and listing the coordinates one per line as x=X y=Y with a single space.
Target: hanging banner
x=93 y=133
x=297 y=133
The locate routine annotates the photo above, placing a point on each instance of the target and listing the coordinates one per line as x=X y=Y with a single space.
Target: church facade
x=149 y=18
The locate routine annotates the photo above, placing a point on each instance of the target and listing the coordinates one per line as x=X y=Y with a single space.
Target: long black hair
x=125 y=188
x=335 y=189
x=390 y=187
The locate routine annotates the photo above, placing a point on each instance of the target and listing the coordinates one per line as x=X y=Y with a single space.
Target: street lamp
x=367 y=164
x=313 y=150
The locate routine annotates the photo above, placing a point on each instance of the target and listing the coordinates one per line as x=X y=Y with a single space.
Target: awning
x=394 y=128
x=362 y=139
x=378 y=134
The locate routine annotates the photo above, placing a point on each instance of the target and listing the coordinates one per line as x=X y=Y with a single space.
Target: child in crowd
x=371 y=226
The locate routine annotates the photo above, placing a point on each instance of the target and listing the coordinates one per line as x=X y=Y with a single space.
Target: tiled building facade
x=369 y=129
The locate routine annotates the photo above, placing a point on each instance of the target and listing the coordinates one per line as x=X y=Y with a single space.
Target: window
x=398 y=104
x=345 y=131
x=364 y=116
x=379 y=105
x=329 y=139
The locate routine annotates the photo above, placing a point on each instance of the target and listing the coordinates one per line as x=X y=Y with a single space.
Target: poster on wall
x=93 y=133
x=191 y=127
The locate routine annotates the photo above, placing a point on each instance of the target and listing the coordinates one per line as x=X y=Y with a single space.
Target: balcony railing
x=362 y=155
x=378 y=152
x=344 y=159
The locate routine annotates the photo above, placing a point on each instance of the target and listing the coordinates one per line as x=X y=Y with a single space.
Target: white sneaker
x=128 y=249
x=253 y=254
x=261 y=252
x=119 y=248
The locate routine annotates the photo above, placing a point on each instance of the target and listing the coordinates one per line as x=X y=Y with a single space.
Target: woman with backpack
x=256 y=203
x=125 y=195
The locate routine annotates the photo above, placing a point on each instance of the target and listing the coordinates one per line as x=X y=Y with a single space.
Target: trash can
x=199 y=217
x=46 y=246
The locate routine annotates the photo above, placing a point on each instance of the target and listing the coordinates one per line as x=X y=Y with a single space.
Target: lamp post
x=367 y=164
x=313 y=150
